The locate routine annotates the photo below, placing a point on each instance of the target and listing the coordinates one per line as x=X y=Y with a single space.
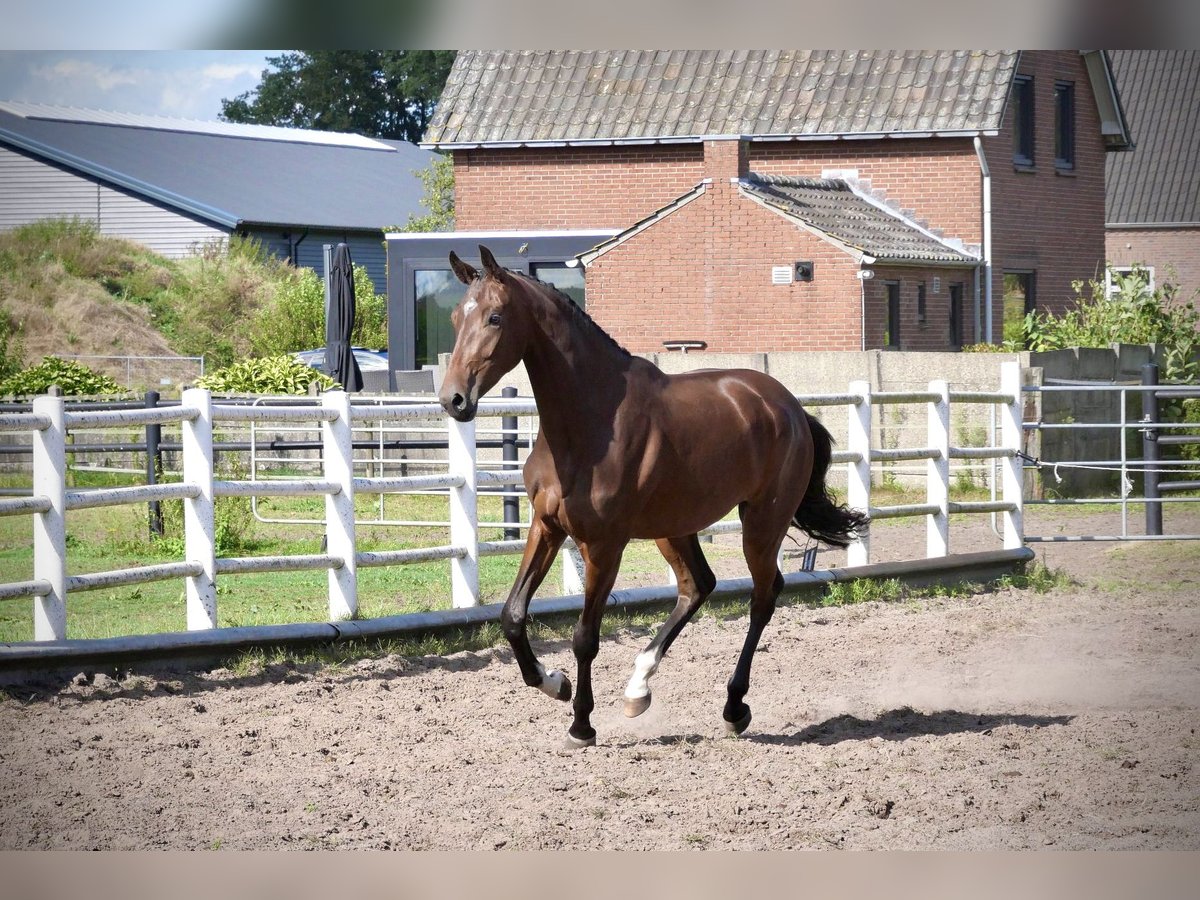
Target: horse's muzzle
x=458 y=406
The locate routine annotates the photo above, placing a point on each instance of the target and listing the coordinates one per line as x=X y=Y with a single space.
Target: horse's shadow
x=894 y=725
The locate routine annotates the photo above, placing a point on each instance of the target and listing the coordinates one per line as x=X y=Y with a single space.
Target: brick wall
x=569 y=187
x=1173 y=252
x=933 y=333
x=1045 y=220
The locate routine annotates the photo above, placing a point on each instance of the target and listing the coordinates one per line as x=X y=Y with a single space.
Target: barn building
x=1154 y=192
x=176 y=184
x=794 y=200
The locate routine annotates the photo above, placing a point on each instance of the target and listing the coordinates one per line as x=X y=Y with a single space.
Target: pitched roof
x=230 y=174
x=532 y=97
x=1159 y=182
x=854 y=220
x=836 y=211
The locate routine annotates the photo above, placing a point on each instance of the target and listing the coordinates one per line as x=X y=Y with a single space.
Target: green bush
x=233 y=520
x=75 y=380
x=265 y=375
x=294 y=319
x=10 y=346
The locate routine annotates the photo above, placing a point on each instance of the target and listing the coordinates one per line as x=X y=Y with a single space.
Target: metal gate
x=1154 y=479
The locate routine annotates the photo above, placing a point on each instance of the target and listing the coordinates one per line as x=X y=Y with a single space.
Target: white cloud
x=80 y=70
x=231 y=71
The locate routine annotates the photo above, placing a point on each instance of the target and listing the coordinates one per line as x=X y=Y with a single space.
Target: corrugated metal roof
x=854 y=220
x=554 y=96
x=196 y=126
x=230 y=178
x=1159 y=181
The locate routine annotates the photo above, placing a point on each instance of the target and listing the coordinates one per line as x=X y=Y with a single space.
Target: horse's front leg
x=602 y=562
x=541 y=548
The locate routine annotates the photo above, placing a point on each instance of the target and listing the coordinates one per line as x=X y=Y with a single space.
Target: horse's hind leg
x=696 y=581
x=762 y=536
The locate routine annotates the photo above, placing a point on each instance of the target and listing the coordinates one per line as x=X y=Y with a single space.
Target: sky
x=186 y=84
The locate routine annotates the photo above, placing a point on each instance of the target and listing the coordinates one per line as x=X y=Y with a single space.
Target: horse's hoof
x=635 y=706
x=736 y=728
x=564 y=690
x=574 y=743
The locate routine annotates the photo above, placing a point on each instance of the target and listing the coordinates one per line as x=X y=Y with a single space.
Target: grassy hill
x=67 y=290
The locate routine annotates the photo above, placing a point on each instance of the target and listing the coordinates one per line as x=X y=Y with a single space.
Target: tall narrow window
x=956 y=294
x=1022 y=102
x=921 y=303
x=1064 y=124
x=891 y=333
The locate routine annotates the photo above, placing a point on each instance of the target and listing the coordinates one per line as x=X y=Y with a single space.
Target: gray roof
x=1159 y=181
x=232 y=176
x=531 y=97
x=854 y=220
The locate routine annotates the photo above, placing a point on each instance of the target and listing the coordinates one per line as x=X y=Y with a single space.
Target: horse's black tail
x=818 y=516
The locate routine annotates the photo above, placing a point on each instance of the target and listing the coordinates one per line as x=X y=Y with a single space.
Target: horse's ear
x=490 y=266
x=466 y=274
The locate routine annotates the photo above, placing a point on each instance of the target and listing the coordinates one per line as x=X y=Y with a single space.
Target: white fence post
x=464 y=518
x=858 y=474
x=199 y=539
x=1012 y=473
x=50 y=527
x=572 y=568
x=937 y=473
x=338 y=453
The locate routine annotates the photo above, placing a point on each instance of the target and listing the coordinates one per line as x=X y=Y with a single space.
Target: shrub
x=294 y=319
x=75 y=380
x=10 y=345
x=233 y=520
x=265 y=375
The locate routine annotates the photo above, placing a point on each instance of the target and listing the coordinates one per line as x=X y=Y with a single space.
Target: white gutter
x=987 y=248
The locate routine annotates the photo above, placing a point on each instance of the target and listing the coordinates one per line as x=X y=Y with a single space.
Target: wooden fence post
x=858 y=474
x=338 y=456
x=464 y=515
x=50 y=527
x=199 y=531
x=1012 y=471
x=937 y=473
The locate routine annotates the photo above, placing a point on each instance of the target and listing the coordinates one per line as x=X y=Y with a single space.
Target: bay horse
x=626 y=451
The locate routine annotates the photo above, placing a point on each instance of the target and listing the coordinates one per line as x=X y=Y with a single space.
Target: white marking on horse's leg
x=644 y=666
x=552 y=682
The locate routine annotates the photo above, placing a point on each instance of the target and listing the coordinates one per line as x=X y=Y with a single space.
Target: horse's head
x=490 y=334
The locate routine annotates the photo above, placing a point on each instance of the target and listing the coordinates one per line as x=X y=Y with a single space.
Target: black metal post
x=1150 y=451
x=508 y=446
x=154 y=465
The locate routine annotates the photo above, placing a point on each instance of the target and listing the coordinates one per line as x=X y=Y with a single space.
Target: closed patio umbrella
x=340 y=363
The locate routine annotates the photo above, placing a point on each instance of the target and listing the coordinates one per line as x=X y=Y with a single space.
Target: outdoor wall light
x=804 y=270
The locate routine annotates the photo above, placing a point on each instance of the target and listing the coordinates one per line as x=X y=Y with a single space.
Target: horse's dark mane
x=577 y=312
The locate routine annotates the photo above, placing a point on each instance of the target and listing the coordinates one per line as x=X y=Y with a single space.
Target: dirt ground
x=1007 y=719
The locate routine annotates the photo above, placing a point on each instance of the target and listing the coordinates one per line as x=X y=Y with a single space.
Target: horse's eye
x=494 y=319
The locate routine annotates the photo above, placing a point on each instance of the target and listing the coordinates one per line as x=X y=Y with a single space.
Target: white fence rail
x=49 y=424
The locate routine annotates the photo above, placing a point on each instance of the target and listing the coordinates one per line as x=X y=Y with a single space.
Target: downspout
x=987 y=249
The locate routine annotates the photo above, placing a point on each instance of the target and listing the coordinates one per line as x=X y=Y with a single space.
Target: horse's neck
x=575 y=372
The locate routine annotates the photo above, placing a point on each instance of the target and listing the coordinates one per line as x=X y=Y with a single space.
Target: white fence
x=201 y=568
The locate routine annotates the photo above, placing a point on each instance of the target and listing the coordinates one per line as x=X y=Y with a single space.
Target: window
x=891 y=332
x=1022 y=101
x=566 y=279
x=1126 y=278
x=1064 y=125
x=921 y=302
x=1018 y=300
x=437 y=293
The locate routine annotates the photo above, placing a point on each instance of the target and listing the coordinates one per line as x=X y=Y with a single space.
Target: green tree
x=381 y=93
x=438 y=179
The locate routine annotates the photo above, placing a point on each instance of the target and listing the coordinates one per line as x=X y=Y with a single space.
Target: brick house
x=794 y=200
x=1154 y=193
